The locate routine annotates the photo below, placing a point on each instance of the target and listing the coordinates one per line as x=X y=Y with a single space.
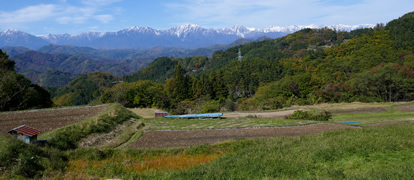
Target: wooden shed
x=25 y=133
x=161 y=114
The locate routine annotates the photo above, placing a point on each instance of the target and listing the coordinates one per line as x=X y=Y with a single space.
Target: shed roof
x=29 y=131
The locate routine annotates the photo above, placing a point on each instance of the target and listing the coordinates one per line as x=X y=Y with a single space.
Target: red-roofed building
x=25 y=133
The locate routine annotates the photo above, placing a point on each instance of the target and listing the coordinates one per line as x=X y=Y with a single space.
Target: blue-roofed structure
x=199 y=116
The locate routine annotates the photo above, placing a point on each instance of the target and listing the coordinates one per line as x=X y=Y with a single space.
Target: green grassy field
x=382 y=149
x=369 y=153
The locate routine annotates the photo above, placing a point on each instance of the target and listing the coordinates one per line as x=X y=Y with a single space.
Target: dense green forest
x=16 y=91
x=85 y=89
x=307 y=67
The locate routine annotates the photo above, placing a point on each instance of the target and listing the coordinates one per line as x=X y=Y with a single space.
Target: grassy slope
x=112 y=110
x=68 y=136
x=368 y=153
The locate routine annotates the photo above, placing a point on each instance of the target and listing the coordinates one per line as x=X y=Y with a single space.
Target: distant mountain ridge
x=190 y=36
x=57 y=65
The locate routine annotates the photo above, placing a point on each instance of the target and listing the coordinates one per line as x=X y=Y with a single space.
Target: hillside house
x=25 y=133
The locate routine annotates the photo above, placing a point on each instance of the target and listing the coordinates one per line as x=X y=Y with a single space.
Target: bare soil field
x=47 y=119
x=406 y=108
x=171 y=139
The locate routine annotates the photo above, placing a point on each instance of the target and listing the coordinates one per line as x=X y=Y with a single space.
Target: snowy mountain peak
x=241 y=28
x=185 y=36
x=140 y=29
x=189 y=26
x=294 y=28
x=184 y=30
x=11 y=32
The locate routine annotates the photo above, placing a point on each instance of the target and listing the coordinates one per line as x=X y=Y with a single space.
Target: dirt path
x=276 y=114
x=170 y=139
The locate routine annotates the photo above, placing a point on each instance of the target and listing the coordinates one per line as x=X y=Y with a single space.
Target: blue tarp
x=352 y=122
x=208 y=115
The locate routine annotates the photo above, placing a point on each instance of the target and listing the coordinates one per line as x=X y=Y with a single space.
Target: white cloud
x=28 y=14
x=72 y=19
x=62 y=13
x=105 y=18
x=99 y=2
x=263 y=13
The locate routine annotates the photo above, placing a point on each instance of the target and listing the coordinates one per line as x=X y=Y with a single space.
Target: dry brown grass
x=143 y=165
x=145 y=112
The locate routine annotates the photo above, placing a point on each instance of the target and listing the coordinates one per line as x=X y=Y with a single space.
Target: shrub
x=250 y=104
x=229 y=105
x=210 y=107
x=321 y=116
x=183 y=107
x=29 y=165
x=18 y=159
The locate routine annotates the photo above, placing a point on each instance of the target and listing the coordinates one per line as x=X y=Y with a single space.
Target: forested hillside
x=57 y=65
x=16 y=91
x=41 y=62
x=307 y=67
x=84 y=89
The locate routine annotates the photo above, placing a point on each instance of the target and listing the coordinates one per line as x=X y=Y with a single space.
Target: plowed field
x=170 y=139
x=48 y=119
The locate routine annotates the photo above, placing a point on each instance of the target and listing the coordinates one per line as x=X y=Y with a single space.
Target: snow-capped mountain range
x=187 y=36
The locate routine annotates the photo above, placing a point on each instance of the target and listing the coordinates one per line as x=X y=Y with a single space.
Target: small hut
x=25 y=133
x=161 y=114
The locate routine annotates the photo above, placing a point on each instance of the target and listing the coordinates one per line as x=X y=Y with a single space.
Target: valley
x=315 y=103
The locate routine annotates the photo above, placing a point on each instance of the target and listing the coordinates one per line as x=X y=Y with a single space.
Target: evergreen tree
x=182 y=86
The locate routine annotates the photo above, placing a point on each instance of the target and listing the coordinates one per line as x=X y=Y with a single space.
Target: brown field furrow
x=46 y=120
x=171 y=139
x=406 y=108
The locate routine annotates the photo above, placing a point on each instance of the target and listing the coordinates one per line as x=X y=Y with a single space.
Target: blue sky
x=76 y=16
